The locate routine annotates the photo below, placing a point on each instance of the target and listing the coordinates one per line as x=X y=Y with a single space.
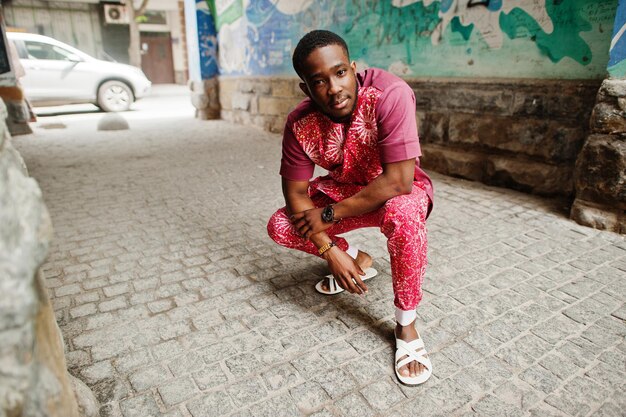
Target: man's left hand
x=309 y=222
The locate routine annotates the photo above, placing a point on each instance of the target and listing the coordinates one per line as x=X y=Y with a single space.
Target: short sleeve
x=295 y=165
x=397 y=128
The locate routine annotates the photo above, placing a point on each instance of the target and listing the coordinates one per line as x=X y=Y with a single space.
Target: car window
x=40 y=50
x=19 y=46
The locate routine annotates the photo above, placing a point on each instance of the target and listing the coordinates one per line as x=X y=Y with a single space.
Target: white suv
x=57 y=73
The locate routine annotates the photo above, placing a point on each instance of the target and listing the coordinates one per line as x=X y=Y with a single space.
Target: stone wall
x=204 y=97
x=520 y=134
x=33 y=376
x=600 y=176
x=260 y=101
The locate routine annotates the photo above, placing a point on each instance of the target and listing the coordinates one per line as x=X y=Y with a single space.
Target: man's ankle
x=408 y=330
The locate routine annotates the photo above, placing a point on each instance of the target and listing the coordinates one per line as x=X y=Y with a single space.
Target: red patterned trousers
x=401 y=219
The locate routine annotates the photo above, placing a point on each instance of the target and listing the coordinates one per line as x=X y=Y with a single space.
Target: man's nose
x=334 y=87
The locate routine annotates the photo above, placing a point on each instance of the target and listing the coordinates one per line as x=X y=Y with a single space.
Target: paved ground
x=174 y=302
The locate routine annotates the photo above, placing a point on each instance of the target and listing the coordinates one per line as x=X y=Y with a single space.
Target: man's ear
x=353 y=65
x=305 y=89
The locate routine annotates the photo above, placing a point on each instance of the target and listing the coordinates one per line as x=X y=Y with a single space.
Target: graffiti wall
x=441 y=38
x=617 y=59
x=207 y=40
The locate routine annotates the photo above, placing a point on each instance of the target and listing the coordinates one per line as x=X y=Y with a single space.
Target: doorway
x=156 y=59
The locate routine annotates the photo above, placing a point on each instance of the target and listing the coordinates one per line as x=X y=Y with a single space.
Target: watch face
x=328 y=214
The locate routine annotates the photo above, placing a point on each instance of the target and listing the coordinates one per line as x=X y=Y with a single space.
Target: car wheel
x=115 y=96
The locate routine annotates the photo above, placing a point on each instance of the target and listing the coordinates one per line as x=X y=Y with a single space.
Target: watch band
x=325 y=247
x=328 y=214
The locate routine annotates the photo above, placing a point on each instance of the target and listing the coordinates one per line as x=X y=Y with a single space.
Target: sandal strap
x=414 y=351
x=411 y=346
x=419 y=359
x=332 y=284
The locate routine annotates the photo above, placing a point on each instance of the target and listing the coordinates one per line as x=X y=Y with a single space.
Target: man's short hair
x=310 y=42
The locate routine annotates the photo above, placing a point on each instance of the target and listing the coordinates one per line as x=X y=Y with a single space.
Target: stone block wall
x=33 y=376
x=520 y=134
x=260 y=101
x=600 y=176
x=204 y=97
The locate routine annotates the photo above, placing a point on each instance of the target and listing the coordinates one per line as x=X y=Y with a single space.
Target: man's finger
x=359 y=283
x=355 y=288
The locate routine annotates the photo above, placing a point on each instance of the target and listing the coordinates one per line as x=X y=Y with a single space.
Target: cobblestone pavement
x=174 y=302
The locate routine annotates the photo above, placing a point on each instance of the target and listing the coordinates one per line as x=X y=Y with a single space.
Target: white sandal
x=334 y=288
x=414 y=351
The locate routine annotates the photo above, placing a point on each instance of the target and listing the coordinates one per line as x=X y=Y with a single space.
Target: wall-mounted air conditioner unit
x=115 y=14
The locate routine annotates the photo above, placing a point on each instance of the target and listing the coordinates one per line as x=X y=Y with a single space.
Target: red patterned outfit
x=382 y=129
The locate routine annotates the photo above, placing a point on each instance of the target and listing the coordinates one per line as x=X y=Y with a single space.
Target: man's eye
x=318 y=82
x=341 y=72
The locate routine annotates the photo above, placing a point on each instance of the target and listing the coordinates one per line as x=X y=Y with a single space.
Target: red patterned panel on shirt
x=353 y=160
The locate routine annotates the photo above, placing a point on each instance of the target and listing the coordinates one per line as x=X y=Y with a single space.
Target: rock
x=470 y=165
x=433 y=127
x=206 y=96
x=600 y=173
x=35 y=381
x=608 y=118
x=597 y=216
x=112 y=121
x=529 y=176
x=614 y=87
x=88 y=405
x=199 y=101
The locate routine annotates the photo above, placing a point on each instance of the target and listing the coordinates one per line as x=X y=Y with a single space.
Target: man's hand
x=309 y=222
x=346 y=271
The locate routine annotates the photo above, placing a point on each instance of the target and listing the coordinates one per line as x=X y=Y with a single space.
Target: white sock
x=352 y=251
x=405 y=317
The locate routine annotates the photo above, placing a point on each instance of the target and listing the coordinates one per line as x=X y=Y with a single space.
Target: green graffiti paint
x=618 y=70
x=564 y=41
x=380 y=24
x=403 y=39
x=457 y=26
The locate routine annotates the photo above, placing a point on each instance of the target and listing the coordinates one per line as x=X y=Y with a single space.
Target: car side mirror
x=74 y=58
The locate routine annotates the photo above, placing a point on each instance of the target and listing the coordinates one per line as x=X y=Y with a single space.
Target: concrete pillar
x=33 y=376
x=202 y=58
x=600 y=173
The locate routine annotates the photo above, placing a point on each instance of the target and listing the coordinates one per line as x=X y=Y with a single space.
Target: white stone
x=113 y=121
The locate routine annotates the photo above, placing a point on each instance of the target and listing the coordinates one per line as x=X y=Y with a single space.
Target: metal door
x=156 y=59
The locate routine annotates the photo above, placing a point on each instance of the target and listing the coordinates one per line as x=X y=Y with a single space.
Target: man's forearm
x=300 y=202
x=372 y=197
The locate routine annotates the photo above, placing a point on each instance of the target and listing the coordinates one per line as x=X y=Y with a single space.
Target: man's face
x=330 y=81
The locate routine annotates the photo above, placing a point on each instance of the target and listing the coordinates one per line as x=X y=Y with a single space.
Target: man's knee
x=405 y=212
x=278 y=227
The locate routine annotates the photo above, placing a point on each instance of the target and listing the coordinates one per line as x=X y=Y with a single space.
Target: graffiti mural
x=617 y=50
x=444 y=38
x=207 y=40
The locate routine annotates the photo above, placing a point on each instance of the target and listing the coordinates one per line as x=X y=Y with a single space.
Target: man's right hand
x=346 y=271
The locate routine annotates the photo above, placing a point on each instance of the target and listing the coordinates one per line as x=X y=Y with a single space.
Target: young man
x=362 y=129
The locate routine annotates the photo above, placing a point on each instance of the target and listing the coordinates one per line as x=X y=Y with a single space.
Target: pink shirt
x=396 y=128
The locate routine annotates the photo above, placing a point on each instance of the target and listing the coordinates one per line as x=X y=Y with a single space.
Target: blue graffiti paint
x=494 y=5
x=207 y=41
x=446 y=4
x=618 y=51
x=270 y=34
